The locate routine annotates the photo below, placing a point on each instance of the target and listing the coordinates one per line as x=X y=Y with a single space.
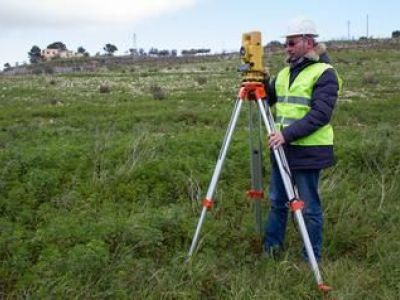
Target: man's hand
x=275 y=140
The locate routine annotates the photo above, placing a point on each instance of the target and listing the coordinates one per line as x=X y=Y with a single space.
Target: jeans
x=307 y=184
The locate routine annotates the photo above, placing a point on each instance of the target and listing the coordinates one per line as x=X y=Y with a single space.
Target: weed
x=157 y=92
x=105 y=88
x=37 y=71
x=54 y=101
x=370 y=78
x=201 y=80
x=48 y=70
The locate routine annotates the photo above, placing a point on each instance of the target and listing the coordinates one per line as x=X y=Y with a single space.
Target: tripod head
x=251 y=55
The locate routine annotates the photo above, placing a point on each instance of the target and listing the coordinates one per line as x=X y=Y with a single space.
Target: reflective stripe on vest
x=294 y=102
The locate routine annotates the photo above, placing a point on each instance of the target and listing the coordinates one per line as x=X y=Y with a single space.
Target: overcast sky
x=178 y=24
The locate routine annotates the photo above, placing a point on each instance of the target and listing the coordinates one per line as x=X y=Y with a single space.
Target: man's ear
x=310 y=43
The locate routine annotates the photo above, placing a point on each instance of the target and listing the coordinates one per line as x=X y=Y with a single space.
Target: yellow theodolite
x=252 y=54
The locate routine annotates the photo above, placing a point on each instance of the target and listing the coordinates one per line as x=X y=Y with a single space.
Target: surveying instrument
x=253 y=91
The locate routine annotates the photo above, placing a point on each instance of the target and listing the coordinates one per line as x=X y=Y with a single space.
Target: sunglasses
x=291 y=43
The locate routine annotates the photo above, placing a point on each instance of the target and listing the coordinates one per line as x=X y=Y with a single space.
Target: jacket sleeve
x=323 y=101
x=271 y=93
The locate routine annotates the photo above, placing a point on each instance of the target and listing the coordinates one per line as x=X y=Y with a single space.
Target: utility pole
x=367 y=26
x=133 y=51
x=134 y=41
x=348 y=30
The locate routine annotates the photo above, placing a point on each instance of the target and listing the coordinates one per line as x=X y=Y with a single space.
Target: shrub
x=396 y=34
x=369 y=78
x=113 y=67
x=37 y=71
x=105 y=88
x=157 y=92
x=48 y=70
x=201 y=80
x=53 y=101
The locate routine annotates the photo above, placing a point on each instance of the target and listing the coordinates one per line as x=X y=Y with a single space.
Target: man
x=304 y=95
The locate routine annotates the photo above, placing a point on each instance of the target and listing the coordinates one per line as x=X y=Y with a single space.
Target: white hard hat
x=301 y=26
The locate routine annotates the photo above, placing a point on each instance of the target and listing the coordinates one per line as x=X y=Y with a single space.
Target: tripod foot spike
x=324 y=288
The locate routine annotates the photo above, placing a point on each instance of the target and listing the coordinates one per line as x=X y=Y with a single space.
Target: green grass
x=100 y=193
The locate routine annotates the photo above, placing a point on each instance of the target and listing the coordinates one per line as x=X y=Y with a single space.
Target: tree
x=203 y=51
x=35 y=55
x=396 y=34
x=133 y=52
x=195 y=51
x=142 y=52
x=57 y=45
x=81 y=50
x=163 y=52
x=274 y=44
x=7 y=66
x=110 y=49
x=153 y=52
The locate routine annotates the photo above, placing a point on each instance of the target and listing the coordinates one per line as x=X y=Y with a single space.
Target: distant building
x=48 y=54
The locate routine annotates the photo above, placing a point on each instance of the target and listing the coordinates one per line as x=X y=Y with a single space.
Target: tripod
x=255 y=91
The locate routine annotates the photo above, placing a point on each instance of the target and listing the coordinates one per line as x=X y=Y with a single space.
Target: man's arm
x=271 y=93
x=275 y=139
x=322 y=103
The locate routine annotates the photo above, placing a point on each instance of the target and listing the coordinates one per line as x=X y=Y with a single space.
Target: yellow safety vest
x=294 y=102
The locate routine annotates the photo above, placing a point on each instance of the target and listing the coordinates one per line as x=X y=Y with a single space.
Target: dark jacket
x=323 y=101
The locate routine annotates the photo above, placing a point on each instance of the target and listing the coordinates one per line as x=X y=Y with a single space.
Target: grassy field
x=100 y=192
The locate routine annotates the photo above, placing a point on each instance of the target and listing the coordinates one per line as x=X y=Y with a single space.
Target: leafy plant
x=157 y=92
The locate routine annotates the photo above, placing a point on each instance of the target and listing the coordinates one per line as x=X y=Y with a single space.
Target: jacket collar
x=318 y=54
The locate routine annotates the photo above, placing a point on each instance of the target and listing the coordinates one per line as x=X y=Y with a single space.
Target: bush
x=274 y=44
x=201 y=80
x=157 y=92
x=370 y=78
x=53 y=101
x=37 y=71
x=105 y=88
x=48 y=70
x=396 y=34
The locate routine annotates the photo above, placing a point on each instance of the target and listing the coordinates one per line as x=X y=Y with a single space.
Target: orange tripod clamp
x=252 y=91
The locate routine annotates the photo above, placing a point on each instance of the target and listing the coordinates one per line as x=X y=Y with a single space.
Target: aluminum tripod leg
x=217 y=172
x=292 y=194
x=256 y=163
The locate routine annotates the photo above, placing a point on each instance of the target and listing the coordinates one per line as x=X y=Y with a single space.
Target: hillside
x=99 y=63
x=103 y=173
